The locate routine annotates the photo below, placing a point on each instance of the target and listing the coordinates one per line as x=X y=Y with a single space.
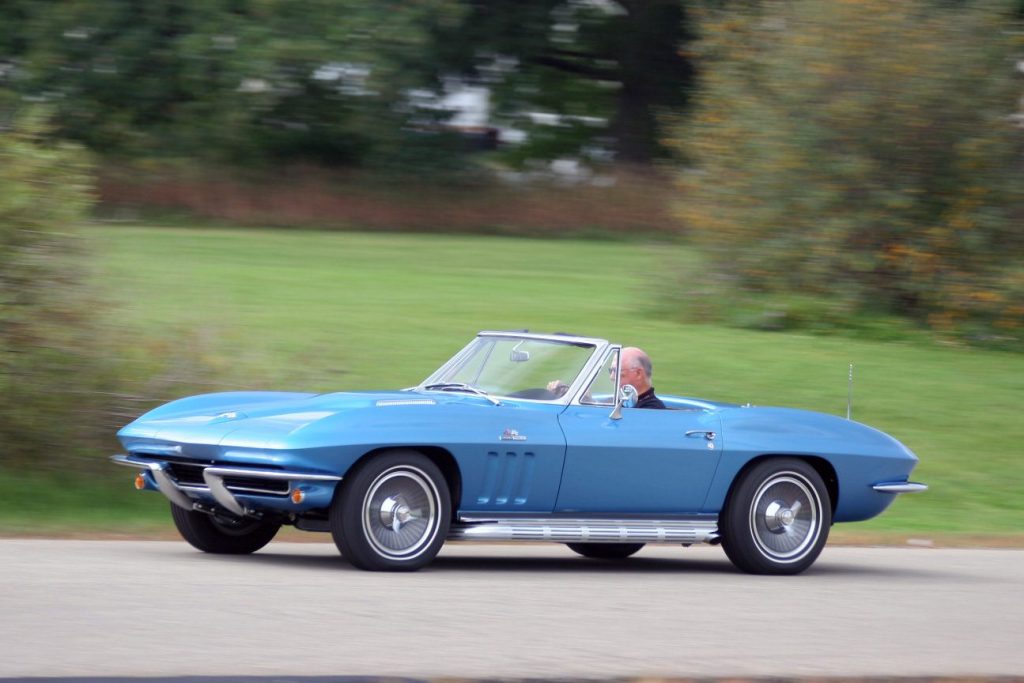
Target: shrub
x=864 y=152
x=47 y=345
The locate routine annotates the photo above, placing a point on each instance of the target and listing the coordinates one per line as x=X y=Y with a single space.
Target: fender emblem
x=511 y=435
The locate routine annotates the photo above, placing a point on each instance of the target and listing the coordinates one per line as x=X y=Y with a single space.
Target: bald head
x=635 y=368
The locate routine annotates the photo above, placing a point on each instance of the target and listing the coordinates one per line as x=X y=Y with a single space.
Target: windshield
x=537 y=369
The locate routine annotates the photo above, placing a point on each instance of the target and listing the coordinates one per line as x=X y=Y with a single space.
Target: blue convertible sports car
x=519 y=437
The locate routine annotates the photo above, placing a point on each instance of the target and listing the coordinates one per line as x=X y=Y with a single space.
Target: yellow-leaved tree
x=862 y=153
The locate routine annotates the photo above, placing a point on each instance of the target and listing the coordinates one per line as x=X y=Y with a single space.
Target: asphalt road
x=123 y=608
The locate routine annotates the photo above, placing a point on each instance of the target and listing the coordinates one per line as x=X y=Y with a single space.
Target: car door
x=510 y=457
x=647 y=462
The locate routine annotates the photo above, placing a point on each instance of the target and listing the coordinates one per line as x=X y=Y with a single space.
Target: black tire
x=392 y=513
x=777 y=518
x=212 y=535
x=605 y=551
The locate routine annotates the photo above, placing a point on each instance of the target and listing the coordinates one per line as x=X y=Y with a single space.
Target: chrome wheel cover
x=785 y=517
x=400 y=513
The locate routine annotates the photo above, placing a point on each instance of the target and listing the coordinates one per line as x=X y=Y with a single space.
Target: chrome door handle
x=709 y=435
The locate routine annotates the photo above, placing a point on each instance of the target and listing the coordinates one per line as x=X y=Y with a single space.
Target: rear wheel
x=777 y=518
x=225 y=536
x=605 y=551
x=393 y=513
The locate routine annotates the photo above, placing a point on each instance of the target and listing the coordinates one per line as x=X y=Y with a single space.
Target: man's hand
x=558 y=388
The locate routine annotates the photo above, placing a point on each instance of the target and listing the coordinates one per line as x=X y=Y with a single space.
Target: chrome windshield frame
x=598 y=348
x=592 y=376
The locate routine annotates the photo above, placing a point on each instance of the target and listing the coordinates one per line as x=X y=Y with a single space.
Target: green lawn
x=337 y=311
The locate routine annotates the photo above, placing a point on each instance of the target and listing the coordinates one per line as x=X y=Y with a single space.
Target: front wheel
x=215 y=535
x=777 y=518
x=393 y=513
x=605 y=551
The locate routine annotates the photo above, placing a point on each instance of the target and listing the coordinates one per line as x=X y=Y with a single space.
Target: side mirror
x=626 y=399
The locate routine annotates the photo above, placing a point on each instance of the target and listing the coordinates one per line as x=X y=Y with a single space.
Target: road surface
x=136 y=608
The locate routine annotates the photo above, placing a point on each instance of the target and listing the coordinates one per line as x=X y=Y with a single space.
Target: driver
x=635 y=368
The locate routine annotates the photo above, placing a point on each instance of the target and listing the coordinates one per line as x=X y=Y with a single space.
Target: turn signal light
x=140 y=482
x=298 y=496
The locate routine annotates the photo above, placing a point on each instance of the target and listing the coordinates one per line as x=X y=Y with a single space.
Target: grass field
x=339 y=311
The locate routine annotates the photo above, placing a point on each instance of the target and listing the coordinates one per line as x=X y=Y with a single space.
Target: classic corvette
x=519 y=437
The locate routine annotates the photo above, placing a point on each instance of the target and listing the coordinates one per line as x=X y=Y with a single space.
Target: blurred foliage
x=604 y=70
x=238 y=80
x=626 y=205
x=48 y=346
x=863 y=153
x=343 y=82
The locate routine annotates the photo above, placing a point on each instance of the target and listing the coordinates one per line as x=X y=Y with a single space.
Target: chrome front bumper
x=213 y=476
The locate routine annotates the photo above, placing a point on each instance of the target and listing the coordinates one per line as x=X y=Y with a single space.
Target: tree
x=864 y=152
x=233 y=80
x=606 y=68
x=332 y=80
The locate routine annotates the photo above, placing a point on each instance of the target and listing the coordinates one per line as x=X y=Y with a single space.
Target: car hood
x=259 y=419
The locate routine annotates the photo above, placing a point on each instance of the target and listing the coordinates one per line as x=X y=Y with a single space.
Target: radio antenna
x=849 y=394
